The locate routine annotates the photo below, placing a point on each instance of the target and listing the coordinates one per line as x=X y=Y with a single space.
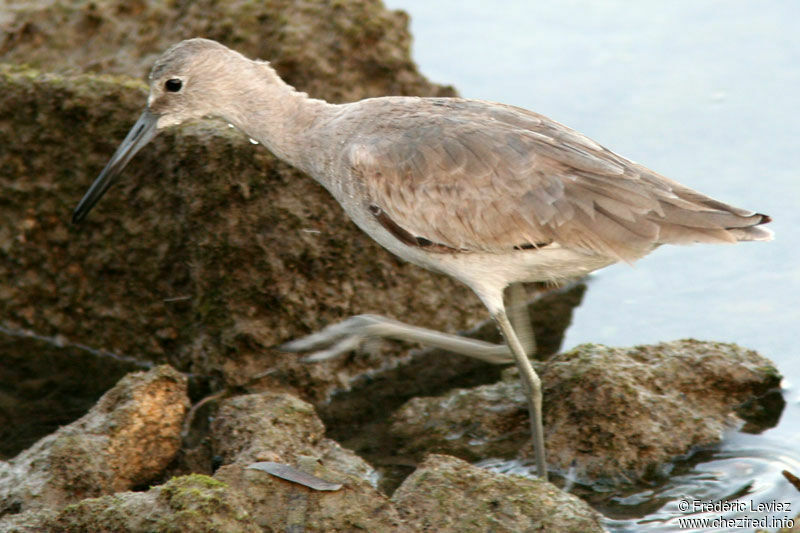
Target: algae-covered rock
x=446 y=494
x=616 y=414
x=191 y=503
x=128 y=438
x=235 y=500
x=280 y=505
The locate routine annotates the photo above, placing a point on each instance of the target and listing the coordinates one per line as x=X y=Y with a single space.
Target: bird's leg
x=349 y=334
x=532 y=386
x=520 y=317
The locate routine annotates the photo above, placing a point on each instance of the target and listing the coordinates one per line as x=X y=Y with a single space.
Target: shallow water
x=705 y=93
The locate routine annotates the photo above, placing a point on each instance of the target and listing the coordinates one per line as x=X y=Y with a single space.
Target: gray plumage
x=490 y=194
x=484 y=177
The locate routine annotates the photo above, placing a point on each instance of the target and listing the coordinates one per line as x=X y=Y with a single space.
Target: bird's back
x=460 y=176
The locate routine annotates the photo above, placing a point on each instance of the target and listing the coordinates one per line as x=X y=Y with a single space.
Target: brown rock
x=128 y=438
x=447 y=494
x=47 y=383
x=340 y=51
x=207 y=240
x=275 y=426
x=611 y=413
x=192 y=503
x=278 y=427
x=279 y=505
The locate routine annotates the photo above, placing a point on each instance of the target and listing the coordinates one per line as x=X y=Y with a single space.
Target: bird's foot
x=337 y=339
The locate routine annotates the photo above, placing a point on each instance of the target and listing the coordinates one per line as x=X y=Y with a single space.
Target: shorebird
x=490 y=194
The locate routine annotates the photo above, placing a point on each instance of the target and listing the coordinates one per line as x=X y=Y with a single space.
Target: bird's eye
x=174 y=85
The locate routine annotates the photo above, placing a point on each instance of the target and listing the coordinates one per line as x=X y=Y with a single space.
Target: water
x=705 y=93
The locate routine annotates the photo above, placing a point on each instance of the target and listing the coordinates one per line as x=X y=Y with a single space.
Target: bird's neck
x=273 y=113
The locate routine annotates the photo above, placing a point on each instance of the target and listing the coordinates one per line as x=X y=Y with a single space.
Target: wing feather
x=478 y=176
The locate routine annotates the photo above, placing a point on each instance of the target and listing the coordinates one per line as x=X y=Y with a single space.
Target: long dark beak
x=140 y=134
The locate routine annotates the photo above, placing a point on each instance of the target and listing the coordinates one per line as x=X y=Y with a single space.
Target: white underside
x=488 y=274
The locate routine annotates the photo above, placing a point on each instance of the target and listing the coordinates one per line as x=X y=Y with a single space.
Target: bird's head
x=186 y=83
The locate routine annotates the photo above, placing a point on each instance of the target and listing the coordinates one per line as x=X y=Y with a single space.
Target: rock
x=341 y=51
x=270 y=426
x=275 y=426
x=187 y=503
x=609 y=413
x=279 y=427
x=125 y=440
x=209 y=252
x=47 y=383
x=28 y=522
x=279 y=505
x=486 y=421
x=447 y=494
x=357 y=418
x=234 y=500
x=207 y=255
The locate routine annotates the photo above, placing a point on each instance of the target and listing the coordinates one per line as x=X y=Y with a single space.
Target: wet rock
x=447 y=494
x=486 y=421
x=616 y=414
x=125 y=440
x=358 y=417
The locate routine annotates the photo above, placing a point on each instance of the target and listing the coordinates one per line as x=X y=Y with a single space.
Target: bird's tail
x=755 y=231
x=694 y=217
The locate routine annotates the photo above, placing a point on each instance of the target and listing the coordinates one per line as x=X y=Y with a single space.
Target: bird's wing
x=489 y=177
